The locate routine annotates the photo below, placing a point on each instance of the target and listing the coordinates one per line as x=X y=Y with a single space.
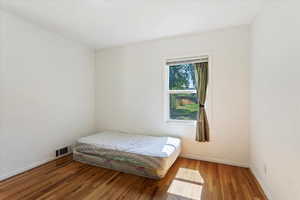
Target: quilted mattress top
x=157 y=146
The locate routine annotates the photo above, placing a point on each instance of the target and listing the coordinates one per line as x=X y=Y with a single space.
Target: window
x=182 y=92
x=181 y=95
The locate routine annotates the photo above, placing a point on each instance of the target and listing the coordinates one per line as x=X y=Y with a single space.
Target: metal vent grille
x=62 y=151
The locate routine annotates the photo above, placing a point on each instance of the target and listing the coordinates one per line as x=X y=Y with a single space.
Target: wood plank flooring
x=187 y=179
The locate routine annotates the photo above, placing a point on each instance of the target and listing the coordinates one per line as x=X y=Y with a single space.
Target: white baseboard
x=262 y=183
x=215 y=160
x=28 y=167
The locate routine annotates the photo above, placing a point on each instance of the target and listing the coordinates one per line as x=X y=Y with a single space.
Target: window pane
x=183 y=106
x=182 y=77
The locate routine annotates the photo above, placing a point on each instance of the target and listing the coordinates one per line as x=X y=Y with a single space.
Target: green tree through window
x=182 y=77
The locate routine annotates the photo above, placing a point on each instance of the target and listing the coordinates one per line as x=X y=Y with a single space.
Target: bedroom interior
x=109 y=99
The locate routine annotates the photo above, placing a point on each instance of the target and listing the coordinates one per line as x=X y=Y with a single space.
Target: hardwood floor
x=187 y=179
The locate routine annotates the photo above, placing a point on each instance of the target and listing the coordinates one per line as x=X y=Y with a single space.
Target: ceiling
x=106 y=23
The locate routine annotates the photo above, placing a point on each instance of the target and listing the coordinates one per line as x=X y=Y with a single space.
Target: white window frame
x=167 y=92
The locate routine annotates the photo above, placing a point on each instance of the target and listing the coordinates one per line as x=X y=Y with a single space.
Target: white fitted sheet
x=154 y=154
x=132 y=143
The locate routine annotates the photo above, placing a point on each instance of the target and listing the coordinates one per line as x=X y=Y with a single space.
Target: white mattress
x=139 y=144
x=129 y=152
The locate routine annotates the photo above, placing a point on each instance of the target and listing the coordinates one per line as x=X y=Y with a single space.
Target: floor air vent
x=62 y=151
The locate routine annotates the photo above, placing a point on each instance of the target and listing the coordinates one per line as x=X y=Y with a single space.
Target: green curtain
x=202 y=129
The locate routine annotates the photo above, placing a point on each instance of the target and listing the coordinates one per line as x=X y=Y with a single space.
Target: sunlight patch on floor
x=187 y=184
x=189 y=175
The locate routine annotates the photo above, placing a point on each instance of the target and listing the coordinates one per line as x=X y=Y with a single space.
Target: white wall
x=275 y=100
x=130 y=90
x=46 y=94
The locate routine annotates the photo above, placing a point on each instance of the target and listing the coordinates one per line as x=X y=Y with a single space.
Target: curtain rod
x=189 y=60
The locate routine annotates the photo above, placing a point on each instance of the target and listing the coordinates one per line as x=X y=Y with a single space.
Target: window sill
x=182 y=123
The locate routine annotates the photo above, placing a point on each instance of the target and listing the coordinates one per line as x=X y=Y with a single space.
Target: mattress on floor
x=149 y=156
